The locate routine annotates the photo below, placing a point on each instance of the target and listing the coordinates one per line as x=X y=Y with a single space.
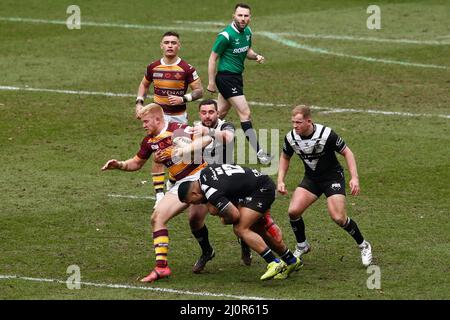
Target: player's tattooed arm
x=230 y=214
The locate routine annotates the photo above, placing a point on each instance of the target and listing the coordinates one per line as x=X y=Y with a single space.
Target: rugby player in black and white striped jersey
x=220 y=151
x=316 y=145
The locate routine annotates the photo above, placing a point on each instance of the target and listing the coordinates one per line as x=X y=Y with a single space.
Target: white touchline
x=130 y=196
x=296 y=45
x=221 y=23
x=264 y=104
x=270 y=35
x=123 y=286
x=94 y=93
x=212 y=23
x=366 y=39
x=106 y=24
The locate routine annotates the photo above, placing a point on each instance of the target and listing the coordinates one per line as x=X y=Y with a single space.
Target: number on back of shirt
x=229 y=169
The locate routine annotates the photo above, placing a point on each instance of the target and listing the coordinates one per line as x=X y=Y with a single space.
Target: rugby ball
x=180 y=142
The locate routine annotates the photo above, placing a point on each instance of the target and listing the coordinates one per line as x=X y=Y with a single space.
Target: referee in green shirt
x=232 y=46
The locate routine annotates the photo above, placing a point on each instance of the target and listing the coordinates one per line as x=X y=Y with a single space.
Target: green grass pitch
x=54 y=205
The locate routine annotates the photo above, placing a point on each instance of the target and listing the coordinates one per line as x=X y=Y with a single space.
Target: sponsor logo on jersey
x=240 y=50
x=248 y=37
x=157 y=74
x=177 y=76
x=194 y=75
x=164 y=92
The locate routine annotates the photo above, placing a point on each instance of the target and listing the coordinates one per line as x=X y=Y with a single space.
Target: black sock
x=352 y=228
x=298 y=226
x=244 y=246
x=288 y=257
x=250 y=134
x=202 y=237
x=268 y=255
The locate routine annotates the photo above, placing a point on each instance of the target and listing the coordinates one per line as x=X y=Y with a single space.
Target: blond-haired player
x=159 y=140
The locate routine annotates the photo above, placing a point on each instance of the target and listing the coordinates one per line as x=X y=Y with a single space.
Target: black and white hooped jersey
x=317 y=151
x=223 y=184
x=217 y=152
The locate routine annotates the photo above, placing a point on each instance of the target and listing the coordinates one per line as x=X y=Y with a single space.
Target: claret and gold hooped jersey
x=163 y=142
x=170 y=79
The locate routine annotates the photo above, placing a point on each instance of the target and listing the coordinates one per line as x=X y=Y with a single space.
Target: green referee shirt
x=232 y=46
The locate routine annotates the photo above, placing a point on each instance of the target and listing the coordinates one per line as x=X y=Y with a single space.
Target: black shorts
x=261 y=199
x=331 y=184
x=230 y=84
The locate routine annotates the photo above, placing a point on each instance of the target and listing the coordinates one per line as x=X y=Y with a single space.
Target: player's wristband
x=140 y=100
x=187 y=97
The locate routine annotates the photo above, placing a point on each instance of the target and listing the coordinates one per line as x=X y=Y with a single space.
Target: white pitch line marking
x=107 y=24
x=94 y=93
x=297 y=45
x=264 y=104
x=270 y=35
x=130 y=196
x=211 y=23
x=366 y=39
x=220 y=23
x=122 y=286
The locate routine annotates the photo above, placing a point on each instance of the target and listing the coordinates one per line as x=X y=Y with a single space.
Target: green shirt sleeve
x=220 y=45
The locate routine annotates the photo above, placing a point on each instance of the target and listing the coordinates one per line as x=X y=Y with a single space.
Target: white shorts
x=193 y=177
x=182 y=118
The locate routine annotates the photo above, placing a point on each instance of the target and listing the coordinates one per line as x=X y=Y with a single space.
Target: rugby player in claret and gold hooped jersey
x=171 y=76
x=160 y=140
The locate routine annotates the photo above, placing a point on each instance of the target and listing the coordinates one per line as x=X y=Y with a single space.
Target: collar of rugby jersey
x=163 y=130
x=235 y=28
x=173 y=64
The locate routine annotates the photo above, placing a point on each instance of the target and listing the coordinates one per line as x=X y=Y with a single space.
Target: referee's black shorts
x=229 y=84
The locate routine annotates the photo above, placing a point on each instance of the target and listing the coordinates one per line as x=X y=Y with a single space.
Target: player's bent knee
x=238 y=231
x=340 y=221
x=196 y=224
x=153 y=218
x=295 y=213
x=157 y=218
